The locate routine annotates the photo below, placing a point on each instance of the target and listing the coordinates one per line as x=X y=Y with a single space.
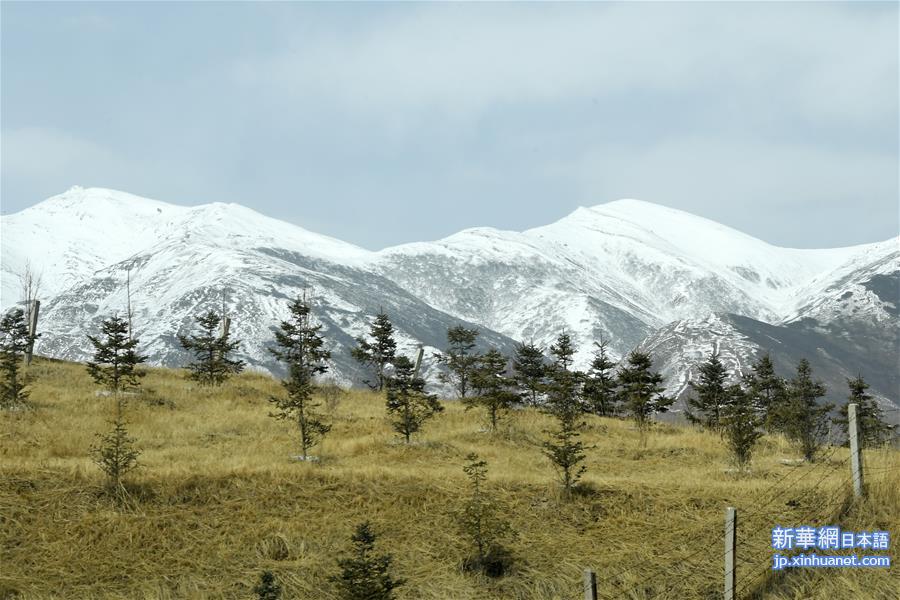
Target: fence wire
x=778 y=490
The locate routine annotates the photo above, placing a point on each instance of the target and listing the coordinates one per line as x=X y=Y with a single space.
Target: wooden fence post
x=730 y=548
x=419 y=354
x=32 y=329
x=590 y=585
x=855 y=451
x=224 y=326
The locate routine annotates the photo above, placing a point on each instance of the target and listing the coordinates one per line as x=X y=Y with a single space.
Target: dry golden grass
x=218 y=499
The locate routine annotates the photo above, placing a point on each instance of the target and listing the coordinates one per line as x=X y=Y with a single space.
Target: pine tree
x=268 y=587
x=14 y=341
x=377 y=353
x=115 y=454
x=115 y=362
x=563 y=385
x=601 y=395
x=301 y=347
x=530 y=372
x=364 y=574
x=479 y=522
x=407 y=403
x=460 y=358
x=740 y=422
x=564 y=449
x=563 y=352
x=873 y=430
x=711 y=397
x=493 y=390
x=802 y=419
x=212 y=365
x=641 y=389
x=766 y=390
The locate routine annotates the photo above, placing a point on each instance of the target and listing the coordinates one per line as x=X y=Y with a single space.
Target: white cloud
x=461 y=60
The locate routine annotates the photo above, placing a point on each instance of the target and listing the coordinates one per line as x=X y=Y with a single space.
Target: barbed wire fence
x=756 y=575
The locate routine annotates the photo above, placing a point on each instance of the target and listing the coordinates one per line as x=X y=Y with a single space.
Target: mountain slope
x=630 y=272
x=618 y=270
x=835 y=354
x=184 y=261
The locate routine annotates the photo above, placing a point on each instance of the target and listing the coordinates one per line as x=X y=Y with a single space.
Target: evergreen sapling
x=268 y=587
x=14 y=341
x=377 y=353
x=873 y=430
x=767 y=391
x=115 y=454
x=740 y=422
x=803 y=420
x=642 y=391
x=529 y=372
x=365 y=575
x=480 y=523
x=408 y=405
x=115 y=362
x=212 y=365
x=301 y=348
x=710 y=398
x=493 y=390
x=601 y=395
x=564 y=449
x=460 y=358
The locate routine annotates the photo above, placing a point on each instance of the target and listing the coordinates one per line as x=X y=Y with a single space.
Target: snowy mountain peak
x=618 y=271
x=97 y=200
x=84 y=230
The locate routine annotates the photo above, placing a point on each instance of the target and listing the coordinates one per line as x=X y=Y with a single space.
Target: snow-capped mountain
x=678 y=285
x=618 y=270
x=631 y=272
x=184 y=261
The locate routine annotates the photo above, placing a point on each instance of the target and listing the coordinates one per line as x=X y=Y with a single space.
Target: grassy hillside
x=219 y=498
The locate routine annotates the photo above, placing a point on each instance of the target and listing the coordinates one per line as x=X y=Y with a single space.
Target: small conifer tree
x=641 y=389
x=268 y=587
x=530 y=372
x=873 y=430
x=740 y=422
x=212 y=365
x=408 y=406
x=563 y=352
x=115 y=362
x=564 y=386
x=14 y=341
x=480 y=522
x=710 y=398
x=301 y=348
x=564 y=449
x=766 y=389
x=379 y=352
x=115 y=454
x=366 y=575
x=460 y=358
x=803 y=420
x=493 y=390
x=601 y=396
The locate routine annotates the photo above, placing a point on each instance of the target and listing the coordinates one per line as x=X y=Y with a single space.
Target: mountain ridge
x=620 y=271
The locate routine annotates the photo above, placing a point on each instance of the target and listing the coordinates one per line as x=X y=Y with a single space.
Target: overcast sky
x=386 y=123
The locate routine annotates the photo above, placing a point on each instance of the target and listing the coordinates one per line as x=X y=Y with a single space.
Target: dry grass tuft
x=218 y=498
